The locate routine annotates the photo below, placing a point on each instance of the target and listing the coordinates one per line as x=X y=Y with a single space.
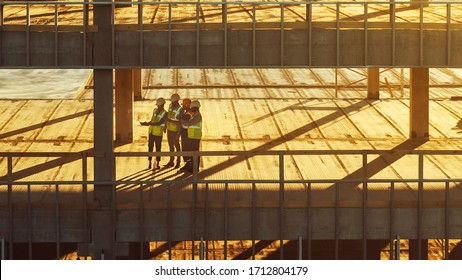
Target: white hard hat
x=175 y=97
x=160 y=101
x=195 y=104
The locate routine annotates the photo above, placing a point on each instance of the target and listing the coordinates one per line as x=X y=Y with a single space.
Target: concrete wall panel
x=239 y=47
x=296 y=51
x=324 y=47
x=70 y=49
x=13 y=49
x=456 y=54
x=352 y=47
x=155 y=48
x=268 y=48
x=407 y=47
x=127 y=48
x=211 y=48
x=435 y=47
x=379 y=47
x=42 y=46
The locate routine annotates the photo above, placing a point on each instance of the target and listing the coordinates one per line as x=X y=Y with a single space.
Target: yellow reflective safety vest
x=173 y=116
x=195 y=131
x=157 y=130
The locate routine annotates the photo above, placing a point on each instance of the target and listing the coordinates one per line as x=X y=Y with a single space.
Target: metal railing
x=202 y=186
x=304 y=20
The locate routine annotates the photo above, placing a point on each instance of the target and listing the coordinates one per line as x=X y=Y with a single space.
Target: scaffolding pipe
x=397 y=248
x=201 y=249
x=3 y=249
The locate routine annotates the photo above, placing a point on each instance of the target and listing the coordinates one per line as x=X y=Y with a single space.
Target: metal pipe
x=3 y=248
x=206 y=226
x=201 y=249
x=169 y=34
x=28 y=34
x=336 y=226
x=393 y=34
x=197 y=36
x=281 y=206
x=282 y=35
x=420 y=205
x=58 y=224
x=141 y=232
x=366 y=29
x=300 y=247
x=56 y=35
x=446 y=221
x=254 y=36
x=29 y=221
x=193 y=219
x=421 y=38
x=140 y=23
x=10 y=204
x=337 y=26
x=391 y=221
x=253 y=219
x=225 y=221
x=364 y=197
x=398 y=248
x=225 y=32
x=448 y=33
x=84 y=39
x=84 y=203
x=308 y=222
x=113 y=33
x=169 y=222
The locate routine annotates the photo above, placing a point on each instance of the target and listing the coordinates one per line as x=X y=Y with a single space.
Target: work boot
x=157 y=166
x=169 y=164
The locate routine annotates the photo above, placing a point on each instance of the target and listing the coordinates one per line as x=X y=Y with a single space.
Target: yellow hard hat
x=160 y=101
x=175 y=97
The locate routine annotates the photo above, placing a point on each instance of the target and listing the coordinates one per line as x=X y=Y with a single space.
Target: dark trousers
x=193 y=145
x=158 y=141
x=173 y=144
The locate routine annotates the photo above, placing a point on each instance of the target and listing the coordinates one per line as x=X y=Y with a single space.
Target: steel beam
x=373 y=83
x=124 y=86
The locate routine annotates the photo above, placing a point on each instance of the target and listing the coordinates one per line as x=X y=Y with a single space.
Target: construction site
x=331 y=130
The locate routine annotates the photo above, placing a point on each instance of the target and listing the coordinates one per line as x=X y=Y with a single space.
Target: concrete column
x=102 y=225
x=124 y=105
x=414 y=249
x=373 y=83
x=137 y=84
x=419 y=103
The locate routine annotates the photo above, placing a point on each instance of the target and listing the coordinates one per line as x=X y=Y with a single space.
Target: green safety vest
x=195 y=131
x=173 y=115
x=157 y=130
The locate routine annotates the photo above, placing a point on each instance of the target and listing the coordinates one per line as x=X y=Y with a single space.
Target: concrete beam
x=419 y=103
x=373 y=83
x=137 y=84
x=124 y=105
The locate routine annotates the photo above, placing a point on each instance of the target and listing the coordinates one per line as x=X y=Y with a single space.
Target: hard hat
x=186 y=101
x=175 y=97
x=160 y=101
x=195 y=104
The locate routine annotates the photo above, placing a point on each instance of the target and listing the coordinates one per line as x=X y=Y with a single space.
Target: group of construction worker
x=179 y=122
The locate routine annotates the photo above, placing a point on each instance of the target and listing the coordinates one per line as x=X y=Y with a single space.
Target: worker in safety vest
x=183 y=130
x=194 y=132
x=156 y=130
x=173 y=125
